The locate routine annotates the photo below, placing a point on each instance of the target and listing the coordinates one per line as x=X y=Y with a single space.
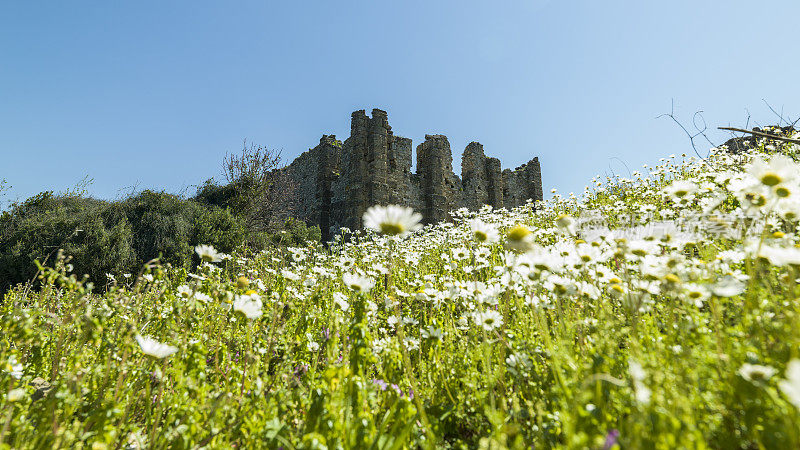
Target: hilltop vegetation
x=112 y=239
x=658 y=311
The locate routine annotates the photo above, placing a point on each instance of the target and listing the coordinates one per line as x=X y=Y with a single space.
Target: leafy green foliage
x=119 y=237
x=97 y=240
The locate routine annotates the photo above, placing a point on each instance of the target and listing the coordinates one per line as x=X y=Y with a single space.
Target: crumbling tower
x=482 y=179
x=375 y=165
x=523 y=183
x=329 y=150
x=334 y=183
x=435 y=171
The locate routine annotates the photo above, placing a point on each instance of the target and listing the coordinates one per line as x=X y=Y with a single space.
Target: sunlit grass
x=655 y=311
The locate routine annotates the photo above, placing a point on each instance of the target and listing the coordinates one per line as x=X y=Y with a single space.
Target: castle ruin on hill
x=335 y=182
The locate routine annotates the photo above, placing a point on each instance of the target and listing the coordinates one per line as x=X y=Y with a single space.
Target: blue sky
x=151 y=94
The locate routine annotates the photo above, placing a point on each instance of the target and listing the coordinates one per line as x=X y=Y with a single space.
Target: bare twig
x=791 y=123
x=131 y=191
x=700 y=131
x=253 y=165
x=623 y=163
x=780 y=116
x=265 y=189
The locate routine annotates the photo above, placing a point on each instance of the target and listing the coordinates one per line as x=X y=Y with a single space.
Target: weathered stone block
x=336 y=182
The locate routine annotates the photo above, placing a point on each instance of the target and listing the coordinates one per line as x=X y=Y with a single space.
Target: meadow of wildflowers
x=657 y=311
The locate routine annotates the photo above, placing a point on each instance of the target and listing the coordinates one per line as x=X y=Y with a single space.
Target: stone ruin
x=334 y=183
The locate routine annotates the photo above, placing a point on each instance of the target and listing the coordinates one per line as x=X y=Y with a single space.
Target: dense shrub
x=118 y=237
x=215 y=194
x=98 y=242
x=162 y=225
x=292 y=233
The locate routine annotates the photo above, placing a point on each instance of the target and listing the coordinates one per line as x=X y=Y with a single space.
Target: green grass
x=637 y=318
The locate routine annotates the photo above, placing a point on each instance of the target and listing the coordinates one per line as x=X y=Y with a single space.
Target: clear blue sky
x=153 y=93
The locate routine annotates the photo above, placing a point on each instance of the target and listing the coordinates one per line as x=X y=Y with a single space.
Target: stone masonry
x=335 y=182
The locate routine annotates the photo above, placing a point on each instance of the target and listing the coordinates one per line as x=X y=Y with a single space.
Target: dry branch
x=761 y=134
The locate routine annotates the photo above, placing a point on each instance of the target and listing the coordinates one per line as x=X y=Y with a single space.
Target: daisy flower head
x=392 y=220
x=566 y=223
x=208 y=254
x=249 y=304
x=152 y=347
x=488 y=320
x=791 y=385
x=789 y=209
x=779 y=170
x=460 y=253
x=680 y=190
x=519 y=238
x=184 y=291
x=756 y=373
x=728 y=286
x=358 y=283
x=483 y=232
x=341 y=301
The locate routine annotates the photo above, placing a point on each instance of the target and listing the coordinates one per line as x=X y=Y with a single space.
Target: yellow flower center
x=518 y=233
x=391 y=228
x=770 y=179
x=672 y=278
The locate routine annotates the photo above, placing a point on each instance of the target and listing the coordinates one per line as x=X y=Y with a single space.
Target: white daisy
x=728 y=287
x=680 y=190
x=779 y=170
x=249 y=304
x=341 y=301
x=519 y=238
x=756 y=373
x=483 y=232
x=488 y=320
x=358 y=283
x=154 y=348
x=208 y=254
x=392 y=220
x=791 y=385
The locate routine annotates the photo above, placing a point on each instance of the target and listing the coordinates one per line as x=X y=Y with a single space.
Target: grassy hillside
x=655 y=311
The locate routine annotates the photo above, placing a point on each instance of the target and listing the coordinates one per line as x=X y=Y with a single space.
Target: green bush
x=35 y=229
x=293 y=233
x=119 y=237
x=162 y=225
x=225 y=196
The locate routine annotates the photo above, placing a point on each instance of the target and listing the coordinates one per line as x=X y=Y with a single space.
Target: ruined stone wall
x=310 y=178
x=334 y=183
x=482 y=179
x=523 y=183
x=437 y=181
